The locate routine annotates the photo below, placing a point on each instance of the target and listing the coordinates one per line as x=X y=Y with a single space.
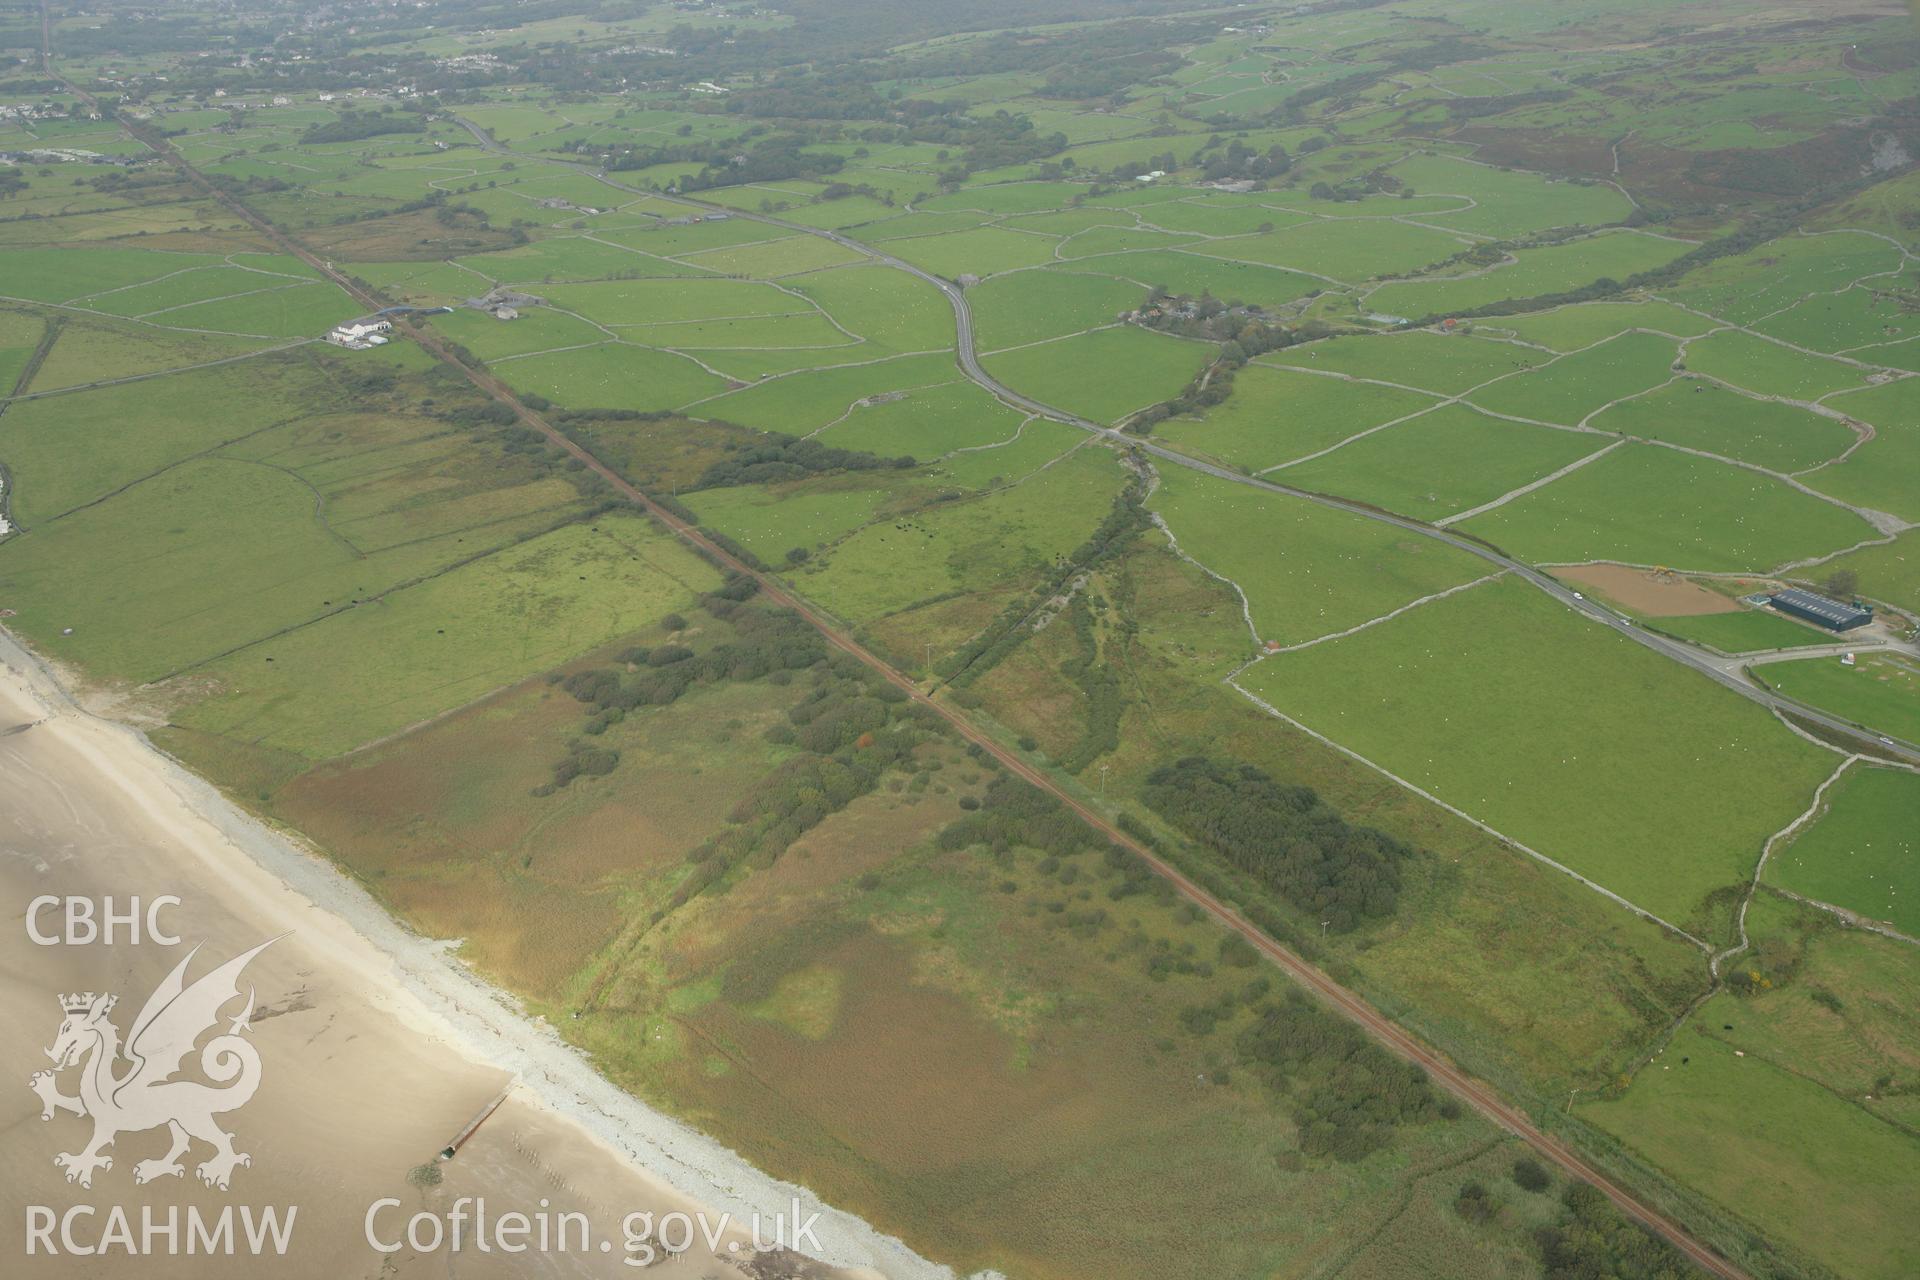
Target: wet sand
x=376 y=1048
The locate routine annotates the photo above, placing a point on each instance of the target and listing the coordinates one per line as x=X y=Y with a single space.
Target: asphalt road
x=1481 y=1097
x=969 y=361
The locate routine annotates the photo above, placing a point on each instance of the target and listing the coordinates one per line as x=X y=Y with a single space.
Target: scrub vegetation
x=1179 y=400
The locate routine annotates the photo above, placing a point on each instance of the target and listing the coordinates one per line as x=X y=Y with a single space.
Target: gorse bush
x=1016 y=812
x=1593 y=1239
x=1346 y=1092
x=1530 y=1175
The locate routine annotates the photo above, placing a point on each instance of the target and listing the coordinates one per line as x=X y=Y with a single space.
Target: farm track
x=1388 y=1033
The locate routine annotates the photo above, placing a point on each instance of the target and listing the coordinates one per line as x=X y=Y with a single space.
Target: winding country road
x=1476 y=1094
x=970 y=365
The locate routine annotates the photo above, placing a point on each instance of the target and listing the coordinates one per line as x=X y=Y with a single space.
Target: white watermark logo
x=87 y=922
x=644 y=1239
x=144 y=1095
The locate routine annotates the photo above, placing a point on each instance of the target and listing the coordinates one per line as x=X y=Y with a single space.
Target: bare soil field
x=1664 y=596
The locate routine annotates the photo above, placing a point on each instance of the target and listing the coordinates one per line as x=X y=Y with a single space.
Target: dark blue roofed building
x=1830 y=614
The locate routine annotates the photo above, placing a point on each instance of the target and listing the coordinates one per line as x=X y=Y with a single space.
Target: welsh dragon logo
x=145 y=1095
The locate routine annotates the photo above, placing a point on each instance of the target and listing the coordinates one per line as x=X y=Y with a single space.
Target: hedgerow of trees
x=352 y=126
x=787 y=458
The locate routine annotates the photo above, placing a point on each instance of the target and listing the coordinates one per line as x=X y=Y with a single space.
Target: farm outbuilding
x=1830 y=614
x=358 y=337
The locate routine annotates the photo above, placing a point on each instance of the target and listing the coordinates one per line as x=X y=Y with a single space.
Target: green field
x=776 y=258
x=1276 y=414
x=809 y=400
x=770 y=520
x=1879 y=474
x=1345 y=252
x=888 y=308
x=89 y=351
x=1834 y=1003
x=1011 y=197
x=1215 y=217
x=1773 y=277
x=680 y=243
x=1429 y=361
x=286 y=526
x=536 y=329
x=1097 y=241
x=658 y=301
x=1441 y=463
x=1307 y=571
x=980 y=252
x=966 y=546
x=1863 y=853
x=1861 y=321
x=1661 y=818
x=20 y=332
x=917 y=223
x=804 y=330
x=1105 y=375
x=1535 y=273
x=1037 y=443
x=182 y=289
x=1889 y=571
x=1737 y=1128
x=1645 y=505
x=61 y=275
x=568 y=259
x=1881 y=693
x=65 y=451
x=1697 y=414
x=1572 y=327
x=1769 y=369
x=1032 y=306
x=1575 y=387
x=613 y=375
x=295 y=311
x=927 y=423
x=1508 y=203
x=1192 y=273
x=1748 y=631
x=392 y=662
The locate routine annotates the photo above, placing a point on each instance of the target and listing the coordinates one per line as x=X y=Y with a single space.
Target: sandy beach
x=376 y=1047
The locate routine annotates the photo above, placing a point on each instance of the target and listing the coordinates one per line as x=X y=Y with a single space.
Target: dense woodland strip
x=1285 y=836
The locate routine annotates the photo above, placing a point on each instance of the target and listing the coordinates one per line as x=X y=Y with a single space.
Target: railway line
x=1469 y=1090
